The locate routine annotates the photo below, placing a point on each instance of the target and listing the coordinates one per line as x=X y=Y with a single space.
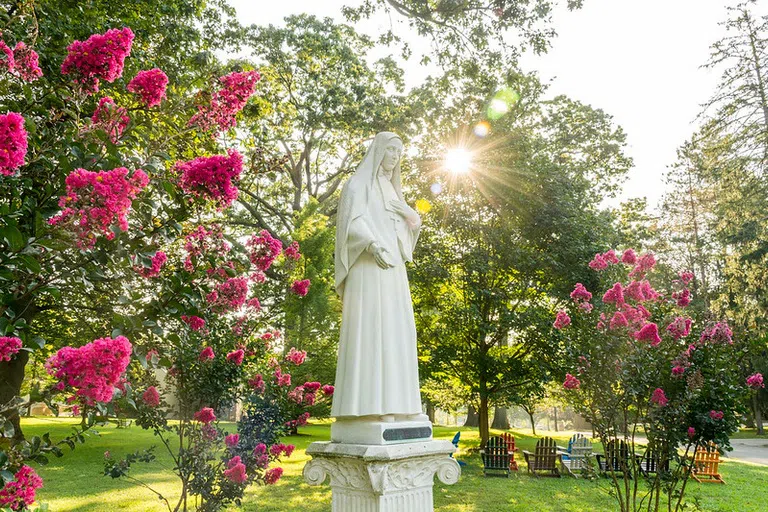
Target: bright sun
x=458 y=160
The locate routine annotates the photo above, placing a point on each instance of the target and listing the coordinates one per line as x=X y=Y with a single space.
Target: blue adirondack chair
x=455 y=442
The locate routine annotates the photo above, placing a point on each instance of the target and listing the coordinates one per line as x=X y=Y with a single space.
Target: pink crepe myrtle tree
x=642 y=357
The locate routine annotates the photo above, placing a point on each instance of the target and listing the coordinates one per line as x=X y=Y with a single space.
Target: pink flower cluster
x=296 y=356
x=205 y=415
x=264 y=249
x=236 y=470
x=22 y=61
x=601 y=261
x=204 y=242
x=110 y=118
x=562 y=320
x=682 y=297
x=212 y=177
x=580 y=293
x=755 y=381
x=281 y=449
x=571 y=382
x=327 y=390
x=300 y=288
x=644 y=264
x=271 y=476
x=680 y=327
x=640 y=291
x=716 y=415
x=231 y=440
x=229 y=295
x=206 y=354
x=686 y=277
x=717 y=333
x=9 y=347
x=225 y=103
x=194 y=322
x=93 y=369
x=13 y=142
x=257 y=383
x=100 y=57
x=19 y=493
x=659 y=397
x=298 y=422
x=151 y=397
x=95 y=200
x=236 y=356
x=150 y=85
x=158 y=260
x=282 y=379
x=650 y=333
x=292 y=251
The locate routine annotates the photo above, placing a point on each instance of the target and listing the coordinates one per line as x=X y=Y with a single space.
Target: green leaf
x=13 y=237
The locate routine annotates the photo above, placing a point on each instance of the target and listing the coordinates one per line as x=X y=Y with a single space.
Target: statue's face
x=392 y=155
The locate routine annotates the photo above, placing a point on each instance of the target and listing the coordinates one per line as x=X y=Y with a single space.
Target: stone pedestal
x=381 y=478
x=363 y=431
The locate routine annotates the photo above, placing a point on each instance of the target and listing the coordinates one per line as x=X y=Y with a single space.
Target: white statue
x=377 y=376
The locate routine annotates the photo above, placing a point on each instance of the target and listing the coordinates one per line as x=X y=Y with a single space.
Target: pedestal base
x=367 y=432
x=384 y=478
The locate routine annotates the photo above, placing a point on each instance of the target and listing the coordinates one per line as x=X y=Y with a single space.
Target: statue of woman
x=376 y=232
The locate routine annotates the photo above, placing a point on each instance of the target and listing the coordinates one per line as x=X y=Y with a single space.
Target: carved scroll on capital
x=316 y=471
x=448 y=471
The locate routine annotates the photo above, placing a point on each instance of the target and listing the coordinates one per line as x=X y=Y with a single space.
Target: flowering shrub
x=225 y=103
x=212 y=177
x=150 y=85
x=13 y=142
x=100 y=57
x=20 y=492
x=628 y=371
x=264 y=249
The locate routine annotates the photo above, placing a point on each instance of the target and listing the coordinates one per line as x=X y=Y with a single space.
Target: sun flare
x=458 y=160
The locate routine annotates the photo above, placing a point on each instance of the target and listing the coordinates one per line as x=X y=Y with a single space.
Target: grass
x=75 y=482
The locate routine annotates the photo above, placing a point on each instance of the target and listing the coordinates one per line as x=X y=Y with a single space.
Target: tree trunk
x=431 y=412
x=500 y=419
x=483 y=419
x=758 y=413
x=554 y=409
x=11 y=378
x=472 y=419
x=533 y=423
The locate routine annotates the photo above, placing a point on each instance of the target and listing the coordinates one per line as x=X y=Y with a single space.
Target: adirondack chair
x=705 y=464
x=567 y=451
x=616 y=457
x=455 y=442
x=653 y=461
x=496 y=456
x=576 y=459
x=543 y=459
x=510 y=440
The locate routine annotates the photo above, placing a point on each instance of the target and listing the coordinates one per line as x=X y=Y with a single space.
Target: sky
x=638 y=60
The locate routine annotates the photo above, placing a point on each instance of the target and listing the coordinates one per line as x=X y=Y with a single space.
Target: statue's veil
x=354 y=199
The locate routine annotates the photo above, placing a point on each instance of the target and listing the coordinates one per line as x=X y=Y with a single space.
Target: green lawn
x=75 y=482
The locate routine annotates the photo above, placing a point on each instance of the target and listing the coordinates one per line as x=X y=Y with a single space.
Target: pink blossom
x=19 y=493
x=205 y=415
x=717 y=333
x=649 y=332
x=598 y=263
x=151 y=397
x=212 y=177
x=229 y=295
x=312 y=386
x=686 y=277
x=93 y=369
x=618 y=321
x=231 y=440
x=678 y=371
x=691 y=432
x=260 y=449
x=755 y=381
x=282 y=379
x=236 y=356
x=264 y=249
x=297 y=357
x=271 y=476
x=292 y=251
x=327 y=390
x=236 y=472
x=7 y=62
x=194 y=322
x=580 y=293
x=110 y=118
x=203 y=242
x=586 y=307
x=257 y=383
x=302 y=419
x=571 y=382
x=716 y=415
x=13 y=143
x=100 y=57
x=26 y=62
x=152 y=354
x=206 y=354
x=225 y=103
x=150 y=85
x=158 y=260
x=253 y=303
x=300 y=288
x=561 y=320
x=614 y=296
x=9 y=347
x=680 y=327
x=659 y=397
x=629 y=257
x=683 y=297
x=94 y=201
x=610 y=257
